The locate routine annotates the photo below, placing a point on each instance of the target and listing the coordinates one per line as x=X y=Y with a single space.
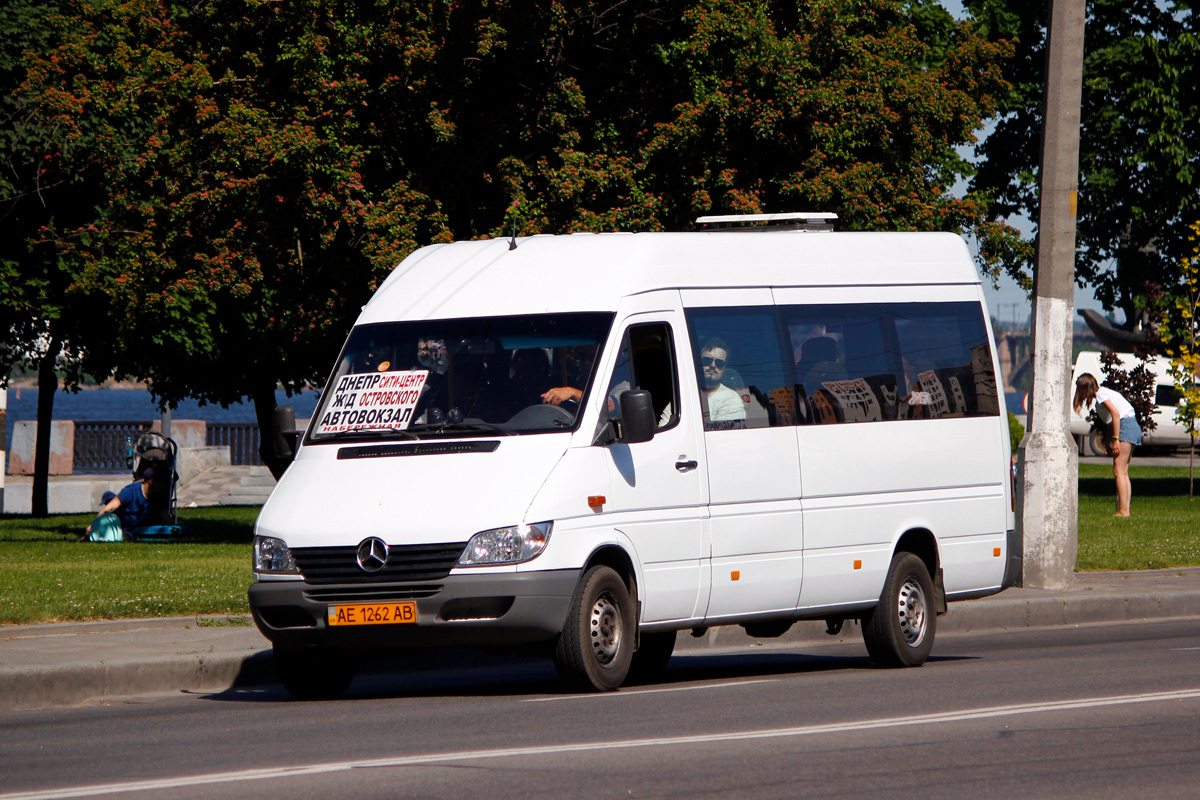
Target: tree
x=46 y=187
x=267 y=164
x=1181 y=341
x=1139 y=144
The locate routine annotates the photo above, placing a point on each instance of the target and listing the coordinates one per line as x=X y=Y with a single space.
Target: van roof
x=593 y=271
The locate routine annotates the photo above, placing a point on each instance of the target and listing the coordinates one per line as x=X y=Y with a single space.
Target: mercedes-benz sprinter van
x=586 y=443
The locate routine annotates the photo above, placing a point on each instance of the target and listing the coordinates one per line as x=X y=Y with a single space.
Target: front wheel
x=899 y=630
x=594 y=649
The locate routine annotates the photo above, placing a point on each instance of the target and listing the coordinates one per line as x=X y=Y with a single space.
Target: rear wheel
x=899 y=630
x=653 y=653
x=314 y=674
x=595 y=647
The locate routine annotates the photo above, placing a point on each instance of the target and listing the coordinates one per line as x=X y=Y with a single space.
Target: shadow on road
x=536 y=677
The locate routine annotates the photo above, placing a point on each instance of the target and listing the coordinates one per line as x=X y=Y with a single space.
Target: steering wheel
x=542 y=415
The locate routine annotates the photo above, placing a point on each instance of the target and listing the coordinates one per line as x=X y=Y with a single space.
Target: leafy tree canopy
x=1140 y=146
x=263 y=165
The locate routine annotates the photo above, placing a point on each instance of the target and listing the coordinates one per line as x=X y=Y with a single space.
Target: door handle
x=684 y=466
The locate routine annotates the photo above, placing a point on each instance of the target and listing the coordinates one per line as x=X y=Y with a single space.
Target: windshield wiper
x=369 y=433
x=472 y=425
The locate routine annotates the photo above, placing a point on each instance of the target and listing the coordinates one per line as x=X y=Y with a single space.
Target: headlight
x=272 y=555
x=506 y=545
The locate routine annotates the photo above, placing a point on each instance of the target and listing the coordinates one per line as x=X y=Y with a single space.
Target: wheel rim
x=912 y=612
x=605 y=629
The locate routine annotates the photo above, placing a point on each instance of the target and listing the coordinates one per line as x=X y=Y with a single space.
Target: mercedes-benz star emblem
x=372 y=554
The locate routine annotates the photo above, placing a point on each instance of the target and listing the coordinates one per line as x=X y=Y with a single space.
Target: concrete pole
x=1048 y=465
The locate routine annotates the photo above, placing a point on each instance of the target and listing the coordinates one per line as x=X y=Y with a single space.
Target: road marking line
x=666 y=741
x=638 y=692
x=1177 y=649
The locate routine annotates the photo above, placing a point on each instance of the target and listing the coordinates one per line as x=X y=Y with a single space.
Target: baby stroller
x=152 y=449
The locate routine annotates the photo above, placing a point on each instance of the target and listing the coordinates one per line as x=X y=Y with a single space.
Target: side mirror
x=284 y=433
x=637 y=417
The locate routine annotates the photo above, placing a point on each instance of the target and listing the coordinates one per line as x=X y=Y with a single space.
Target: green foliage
x=45 y=188
x=1181 y=340
x=1016 y=432
x=1139 y=152
x=259 y=167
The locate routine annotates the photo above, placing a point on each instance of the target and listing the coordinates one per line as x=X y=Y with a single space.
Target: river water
x=135 y=404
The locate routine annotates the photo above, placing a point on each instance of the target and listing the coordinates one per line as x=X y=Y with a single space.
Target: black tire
x=595 y=647
x=1097 y=441
x=314 y=674
x=653 y=653
x=899 y=631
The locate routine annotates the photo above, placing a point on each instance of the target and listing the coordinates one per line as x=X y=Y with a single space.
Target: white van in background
x=583 y=444
x=1169 y=432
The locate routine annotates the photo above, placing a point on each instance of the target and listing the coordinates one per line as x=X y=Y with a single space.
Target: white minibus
x=582 y=444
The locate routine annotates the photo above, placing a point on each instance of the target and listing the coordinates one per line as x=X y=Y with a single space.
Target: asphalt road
x=1098 y=711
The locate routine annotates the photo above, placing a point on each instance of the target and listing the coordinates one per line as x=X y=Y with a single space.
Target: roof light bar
x=819 y=216
x=792 y=221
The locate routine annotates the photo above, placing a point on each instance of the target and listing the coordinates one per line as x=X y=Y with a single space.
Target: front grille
x=371 y=593
x=406 y=562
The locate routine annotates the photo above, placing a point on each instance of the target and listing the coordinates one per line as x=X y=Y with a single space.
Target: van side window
x=847 y=363
x=890 y=361
x=646 y=361
x=947 y=357
x=744 y=379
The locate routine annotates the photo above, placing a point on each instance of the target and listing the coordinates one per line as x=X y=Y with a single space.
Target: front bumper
x=457 y=611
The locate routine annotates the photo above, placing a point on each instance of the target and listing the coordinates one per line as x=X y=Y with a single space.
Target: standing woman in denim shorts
x=1126 y=433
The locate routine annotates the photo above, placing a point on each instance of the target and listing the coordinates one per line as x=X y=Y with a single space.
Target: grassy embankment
x=1164 y=530
x=45 y=575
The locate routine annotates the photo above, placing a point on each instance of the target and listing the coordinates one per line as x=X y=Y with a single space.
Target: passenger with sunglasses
x=723 y=406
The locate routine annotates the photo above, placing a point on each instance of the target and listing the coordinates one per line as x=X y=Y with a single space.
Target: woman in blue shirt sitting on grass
x=137 y=505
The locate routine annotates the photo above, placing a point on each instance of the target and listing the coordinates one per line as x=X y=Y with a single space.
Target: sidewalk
x=68 y=663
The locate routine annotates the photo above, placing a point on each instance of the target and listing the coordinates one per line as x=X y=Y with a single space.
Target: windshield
x=456 y=377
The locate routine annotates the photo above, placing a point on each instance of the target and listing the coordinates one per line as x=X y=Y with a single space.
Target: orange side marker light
x=596 y=501
x=858 y=563
x=736 y=575
x=996 y=552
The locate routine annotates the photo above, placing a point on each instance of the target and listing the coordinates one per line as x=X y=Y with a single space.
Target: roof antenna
x=512 y=244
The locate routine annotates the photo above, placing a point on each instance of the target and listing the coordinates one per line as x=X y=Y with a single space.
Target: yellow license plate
x=373 y=614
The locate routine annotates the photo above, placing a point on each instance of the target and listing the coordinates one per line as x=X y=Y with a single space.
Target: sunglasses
x=706 y=361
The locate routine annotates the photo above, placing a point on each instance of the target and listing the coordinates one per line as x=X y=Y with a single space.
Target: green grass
x=47 y=576
x=1164 y=530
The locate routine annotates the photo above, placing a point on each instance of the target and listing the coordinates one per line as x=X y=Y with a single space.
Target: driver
x=579 y=365
x=561 y=394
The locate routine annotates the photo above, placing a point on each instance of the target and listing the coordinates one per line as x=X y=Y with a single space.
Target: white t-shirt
x=724 y=405
x=1124 y=409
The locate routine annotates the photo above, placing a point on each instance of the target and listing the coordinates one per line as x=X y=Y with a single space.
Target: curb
x=69 y=684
